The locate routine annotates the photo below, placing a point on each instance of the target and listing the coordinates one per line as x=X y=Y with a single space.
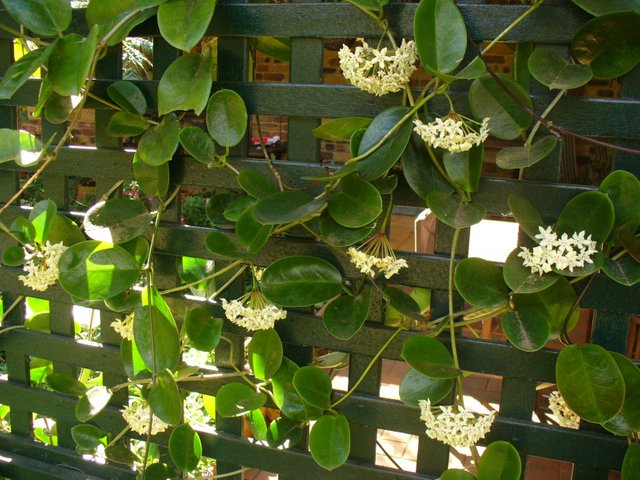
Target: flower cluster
x=124 y=328
x=42 y=265
x=376 y=252
x=455 y=426
x=566 y=417
x=137 y=415
x=253 y=311
x=558 y=252
x=452 y=133
x=379 y=71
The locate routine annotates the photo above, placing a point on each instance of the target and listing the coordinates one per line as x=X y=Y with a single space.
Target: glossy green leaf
x=631 y=462
x=216 y=207
x=629 y=241
x=521 y=72
x=354 y=143
x=64 y=230
x=258 y=425
x=203 y=329
x=124 y=302
x=94 y=270
x=65 y=384
x=265 y=353
x=221 y=245
x=226 y=117
x=284 y=431
x=274 y=47
x=9 y=145
x=415 y=387
x=88 y=437
x=44 y=17
x=403 y=303
x=300 y=281
x=158 y=471
x=41 y=217
x=590 y=382
x=457 y=215
x=57 y=108
x=236 y=399
x=464 y=168
x=252 y=234
x=198 y=144
x=237 y=207
x=553 y=71
x=152 y=180
x=192 y=270
x=345 y=315
x=183 y=23
x=185 y=447
x=92 y=403
x=480 y=283
x=339 y=236
x=30 y=149
x=186 y=83
x=627 y=421
x=441 y=35
x=13 y=255
x=511 y=158
x=132 y=361
x=520 y=279
x=623 y=189
x=128 y=96
x=125 y=124
x=287 y=398
x=23 y=229
x=487 y=98
x=526 y=329
x=70 y=62
x=355 y=202
x=314 y=386
x=330 y=441
x=340 y=129
x=164 y=398
x=598 y=7
x=395 y=318
x=20 y=71
x=474 y=69
x=625 y=271
x=160 y=142
x=386 y=185
x=287 y=207
x=117 y=220
x=155 y=332
x=118 y=17
x=138 y=248
x=500 y=461
x=609 y=44
x=429 y=357
x=256 y=184
x=454 y=474
x=378 y=163
x=526 y=215
x=592 y=212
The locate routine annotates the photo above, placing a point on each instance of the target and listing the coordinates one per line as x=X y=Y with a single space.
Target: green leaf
x=592 y=212
x=625 y=271
x=629 y=241
x=159 y=471
x=415 y=387
x=330 y=441
x=30 y=149
x=456 y=215
x=216 y=207
x=284 y=430
x=65 y=384
x=256 y=184
x=520 y=279
x=441 y=35
x=521 y=72
x=128 y=96
x=275 y=47
x=287 y=398
x=314 y=386
x=95 y=270
x=152 y=180
x=526 y=329
x=507 y=119
x=474 y=69
x=70 y=62
x=236 y=399
x=464 y=168
x=44 y=17
x=57 y=108
x=500 y=461
x=300 y=281
x=164 y=398
x=380 y=162
x=590 y=382
x=511 y=158
x=198 y=144
x=185 y=447
x=117 y=220
x=631 y=462
x=160 y=142
x=429 y=357
x=226 y=117
x=124 y=302
x=627 y=421
x=186 y=83
x=132 y=361
x=221 y=245
x=265 y=354
x=598 y=7
x=340 y=129
x=183 y=23
x=203 y=329
x=13 y=255
x=287 y=207
x=41 y=217
x=355 y=202
x=252 y=234
x=339 y=236
x=394 y=318
x=344 y=316
x=554 y=72
x=9 y=145
x=526 y=215
x=480 y=283
x=192 y=270
x=125 y=124
x=258 y=425
x=403 y=303
x=623 y=189
x=20 y=71
x=237 y=207
x=92 y=403
x=609 y=44
x=552 y=303
x=88 y=437
x=155 y=333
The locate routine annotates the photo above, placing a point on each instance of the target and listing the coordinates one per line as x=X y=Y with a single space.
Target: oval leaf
x=526 y=215
x=330 y=441
x=44 y=17
x=20 y=71
x=286 y=207
x=198 y=144
x=265 y=353
x=88 y=437
x=65 y=384
x=314 y=386
x=631 y=462
x=125 y=124
x=219 y=244
x=164 y=398
x=116 y=221
x=481 y=283
x=429 y=357
x=182 y=23
x=589 y=211
x=344 y=316
x=623 y=189
x=627 y=421
x=523 y=157
x=203 y=329
x=464 y=168
x=287 y=398
x=226 y=117
x=160 y=142
x=251 y=234
x=339 y=236
x=186 y=83
x=236 y=399
x=355 y=202
x=128 y=96
x=256 y=184
x=153 y=180
x=92 y=403
x=340 y=129
x=520 y=279
x=415 y=387
x=526 y=329
x=185 y=447
x=70 y=62
x=553 y=71
x=500 y=461
x=456 y=215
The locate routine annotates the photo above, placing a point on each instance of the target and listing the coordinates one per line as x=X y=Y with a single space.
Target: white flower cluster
x=389 y=265
x=251 y=318
x=42 y=265
x=452 y=133
x=459 y=428
x=559 y=253
x=137 y=415
x=566 y=417
x=124 y=328
x=379 y=71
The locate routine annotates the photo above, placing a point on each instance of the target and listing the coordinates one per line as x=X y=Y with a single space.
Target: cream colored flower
x=452 y=133
x=137 y=415
x=455 y=425
x=376 y=253
x=41 y=265
x=124 y=327
x=253 y=311
x=566 y=417
x=379 y=71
